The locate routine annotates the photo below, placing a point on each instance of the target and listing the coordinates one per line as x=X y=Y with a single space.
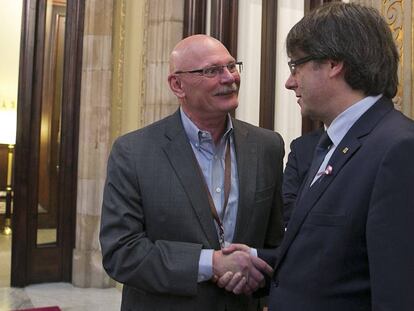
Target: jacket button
x=275 y=283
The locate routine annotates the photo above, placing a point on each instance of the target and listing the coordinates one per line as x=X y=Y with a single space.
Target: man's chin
x=303 y=111
x=229 y=106
x=233 y=107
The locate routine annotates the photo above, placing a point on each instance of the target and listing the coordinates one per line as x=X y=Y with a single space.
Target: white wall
x=248 y=51
x=288 y=121
x=11 y=17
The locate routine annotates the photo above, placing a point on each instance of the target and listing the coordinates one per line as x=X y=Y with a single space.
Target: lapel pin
x=345 y=150
x=328 y=170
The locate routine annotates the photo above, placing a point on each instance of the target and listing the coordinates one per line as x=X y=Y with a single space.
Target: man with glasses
x=349 y=241
x=184 y=187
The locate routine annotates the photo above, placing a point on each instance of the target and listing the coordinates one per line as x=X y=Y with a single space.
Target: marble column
x=129 y=54
x=94 y=143
x=107 y=103
x=165 y=28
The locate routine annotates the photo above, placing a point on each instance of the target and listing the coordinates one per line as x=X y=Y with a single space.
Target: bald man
x=179 y=190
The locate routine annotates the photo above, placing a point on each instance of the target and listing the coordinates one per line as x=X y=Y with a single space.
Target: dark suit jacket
x=297 y=166
x=349 y=243
x=156 y=217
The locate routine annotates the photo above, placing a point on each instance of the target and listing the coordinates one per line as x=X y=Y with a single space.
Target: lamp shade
x=8 y=116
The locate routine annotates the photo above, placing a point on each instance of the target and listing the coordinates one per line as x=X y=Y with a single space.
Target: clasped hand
x=236 y=270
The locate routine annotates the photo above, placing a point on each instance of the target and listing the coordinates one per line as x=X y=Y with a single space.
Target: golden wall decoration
x=118 y=70
x=129 y=49
x=392 y=11
x=399 y=14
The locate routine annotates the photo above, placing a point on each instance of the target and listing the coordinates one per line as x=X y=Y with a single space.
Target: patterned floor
x=63 y=295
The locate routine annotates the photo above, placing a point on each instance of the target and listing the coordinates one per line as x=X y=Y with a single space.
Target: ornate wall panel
x=94 y=142
x=144 y=34
x=129 y=54
x=399 y=14
x=118 y=48
x=393 y=14
x=165 y=29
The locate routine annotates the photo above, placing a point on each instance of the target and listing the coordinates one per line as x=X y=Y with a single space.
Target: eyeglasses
x=212 y=71
x=294 y=63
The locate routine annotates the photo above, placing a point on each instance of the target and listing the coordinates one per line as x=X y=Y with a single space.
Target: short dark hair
x=356 y=35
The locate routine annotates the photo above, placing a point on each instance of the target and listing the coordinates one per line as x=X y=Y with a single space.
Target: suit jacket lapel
x=310 y=198
x=183 y=161
x=347 y=147
x=246 y=155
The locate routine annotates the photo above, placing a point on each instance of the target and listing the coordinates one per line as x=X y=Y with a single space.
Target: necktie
x=319 y=154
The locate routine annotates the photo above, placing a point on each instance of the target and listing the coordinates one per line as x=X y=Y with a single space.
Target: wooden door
x=46 y=142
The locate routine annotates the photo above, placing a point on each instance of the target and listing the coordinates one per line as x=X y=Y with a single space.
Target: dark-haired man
x=348 y=244
x=349 y=241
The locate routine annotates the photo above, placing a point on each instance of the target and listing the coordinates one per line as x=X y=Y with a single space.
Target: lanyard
x=227 y=182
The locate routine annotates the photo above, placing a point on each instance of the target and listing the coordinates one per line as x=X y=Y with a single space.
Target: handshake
x=236 y=270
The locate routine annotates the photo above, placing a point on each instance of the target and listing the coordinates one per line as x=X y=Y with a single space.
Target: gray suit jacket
x=156 y=218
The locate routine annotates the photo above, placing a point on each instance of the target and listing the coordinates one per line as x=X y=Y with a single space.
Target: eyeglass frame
x=294 y=63
x=201 y=71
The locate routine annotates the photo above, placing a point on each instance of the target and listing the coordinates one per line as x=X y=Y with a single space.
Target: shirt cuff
x=205 y=265
x=253 y=252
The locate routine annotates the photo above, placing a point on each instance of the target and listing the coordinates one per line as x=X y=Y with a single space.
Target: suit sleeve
x=275 y=227
x=129 y=256
x=390 y=230
x=291 y=184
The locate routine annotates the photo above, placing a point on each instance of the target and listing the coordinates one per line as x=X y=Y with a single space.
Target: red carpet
x=41 y=309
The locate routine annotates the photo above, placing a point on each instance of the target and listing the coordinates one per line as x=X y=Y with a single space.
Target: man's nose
x=226 y=76
x=290 y=83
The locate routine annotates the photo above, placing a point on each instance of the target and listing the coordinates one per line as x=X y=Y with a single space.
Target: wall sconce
x=8 y=114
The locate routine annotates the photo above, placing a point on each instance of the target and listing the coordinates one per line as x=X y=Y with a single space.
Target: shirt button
x=218 y=189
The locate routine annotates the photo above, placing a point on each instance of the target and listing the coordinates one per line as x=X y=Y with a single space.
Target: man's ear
x=176 y=86
x=337 y=68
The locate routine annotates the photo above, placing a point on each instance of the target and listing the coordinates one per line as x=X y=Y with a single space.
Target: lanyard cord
x=227 y=183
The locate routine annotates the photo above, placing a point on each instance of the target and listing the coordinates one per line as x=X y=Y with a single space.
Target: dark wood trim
x=268 y=64
x=21 y=213
x=4 y=151
x=34 y=144
x=32 y=263
x=70 y=131
x=224 y=23
x=195 y=12
x=312 y=4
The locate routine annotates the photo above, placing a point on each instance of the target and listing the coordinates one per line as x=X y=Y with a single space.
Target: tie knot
x=324 y=141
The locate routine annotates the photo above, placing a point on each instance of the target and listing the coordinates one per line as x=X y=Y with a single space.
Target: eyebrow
x=220 y=64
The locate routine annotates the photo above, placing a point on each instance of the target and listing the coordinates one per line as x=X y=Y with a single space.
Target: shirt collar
x=197 y=136
x=343 y=122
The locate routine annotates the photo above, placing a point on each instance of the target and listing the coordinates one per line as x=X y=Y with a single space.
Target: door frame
x=31 y=263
